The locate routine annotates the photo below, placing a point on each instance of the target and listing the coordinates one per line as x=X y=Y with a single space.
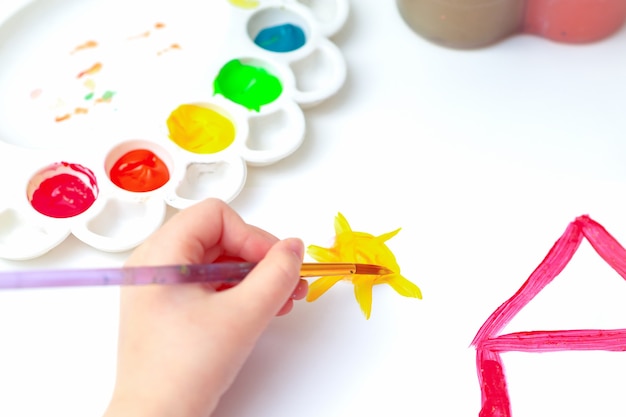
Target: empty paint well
x=138 y=166
x=221 y=179
x=62 y=190
x=201 y=129
x=121 y=219
x=119 y=224
x=251 y=83
x=266 y=132
x=21 y=238
x=277 y=29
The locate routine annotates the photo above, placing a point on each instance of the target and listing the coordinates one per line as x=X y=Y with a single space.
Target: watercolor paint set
x=478 y=23
x=111 y=111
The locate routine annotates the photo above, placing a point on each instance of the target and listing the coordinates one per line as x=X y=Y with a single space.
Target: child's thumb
x=274 y=279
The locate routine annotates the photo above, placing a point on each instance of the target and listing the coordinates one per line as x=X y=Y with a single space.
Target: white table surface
x=482 y=157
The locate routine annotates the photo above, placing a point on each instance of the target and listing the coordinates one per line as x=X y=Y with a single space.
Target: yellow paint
x=360 y=247
x=245 y=4
x=90 y=84
x=200 y=129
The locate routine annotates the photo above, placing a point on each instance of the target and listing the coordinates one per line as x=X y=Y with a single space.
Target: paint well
x=200 y=129
x=63 y=190
x=281 y=38
x=139 y=170
x=249 y=85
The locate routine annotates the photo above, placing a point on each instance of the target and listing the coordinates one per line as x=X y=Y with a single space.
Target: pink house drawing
x=489 y=343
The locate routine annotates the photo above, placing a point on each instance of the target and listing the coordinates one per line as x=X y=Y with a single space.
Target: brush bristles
x=367 y=269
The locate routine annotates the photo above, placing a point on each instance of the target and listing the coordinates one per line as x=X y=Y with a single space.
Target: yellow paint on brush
x=200 y=129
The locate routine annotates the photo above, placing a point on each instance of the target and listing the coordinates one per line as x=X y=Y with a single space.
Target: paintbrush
x=218 y=273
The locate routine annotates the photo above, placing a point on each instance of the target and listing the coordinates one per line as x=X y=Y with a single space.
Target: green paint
x=89 y=96
x=108 y=95
x=248 y=85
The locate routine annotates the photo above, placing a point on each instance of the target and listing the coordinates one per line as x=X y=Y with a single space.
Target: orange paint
x=171 y=47
x=158 y=25
x=139 y=170
x=62 y=118
x=86 y=45
x=81 y=110
x=91 y=70
x=141 y=35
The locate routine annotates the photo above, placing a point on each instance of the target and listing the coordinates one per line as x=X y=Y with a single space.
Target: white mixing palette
x=84 y=82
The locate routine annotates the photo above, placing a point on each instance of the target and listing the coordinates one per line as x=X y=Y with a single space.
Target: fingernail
x=297 y=247
x=301 y=290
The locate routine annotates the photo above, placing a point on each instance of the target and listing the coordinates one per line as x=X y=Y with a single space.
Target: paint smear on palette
x=172 y=47
x=281 y=38
x=147 y=33
x=248 y=85
x=139 y=170
x=64 y=105
x=63 y=190
x=360 y=247
x=245 y=4
x=490 y=344
x=200 y=129
x=106 y=97
x=94 y=69
x=86 y=45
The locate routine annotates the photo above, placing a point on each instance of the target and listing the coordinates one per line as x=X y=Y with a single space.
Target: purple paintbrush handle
x=231 y=272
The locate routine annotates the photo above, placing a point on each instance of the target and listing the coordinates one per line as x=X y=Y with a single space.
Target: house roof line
x=613 y=340
x=555 y=261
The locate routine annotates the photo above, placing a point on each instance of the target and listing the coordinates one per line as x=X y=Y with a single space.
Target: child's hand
x=181 y=347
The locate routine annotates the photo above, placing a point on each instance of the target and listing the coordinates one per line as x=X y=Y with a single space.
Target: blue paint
x=281 y=38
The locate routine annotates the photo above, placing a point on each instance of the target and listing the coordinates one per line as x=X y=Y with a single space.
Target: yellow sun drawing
x=360 y=247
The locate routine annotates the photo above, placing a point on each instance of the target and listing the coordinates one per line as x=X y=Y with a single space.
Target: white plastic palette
x=85 y=82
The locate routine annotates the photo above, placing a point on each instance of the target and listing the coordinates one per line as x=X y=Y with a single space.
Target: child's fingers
x=202 y=233
x=272 y=283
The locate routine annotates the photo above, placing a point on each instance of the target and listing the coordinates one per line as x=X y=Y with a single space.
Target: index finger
x=201 y=234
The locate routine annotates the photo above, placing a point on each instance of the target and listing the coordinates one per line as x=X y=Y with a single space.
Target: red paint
x=574 y=21
x=495 y=398
x=66 y=194
x=139 y=170
x=489 y=344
